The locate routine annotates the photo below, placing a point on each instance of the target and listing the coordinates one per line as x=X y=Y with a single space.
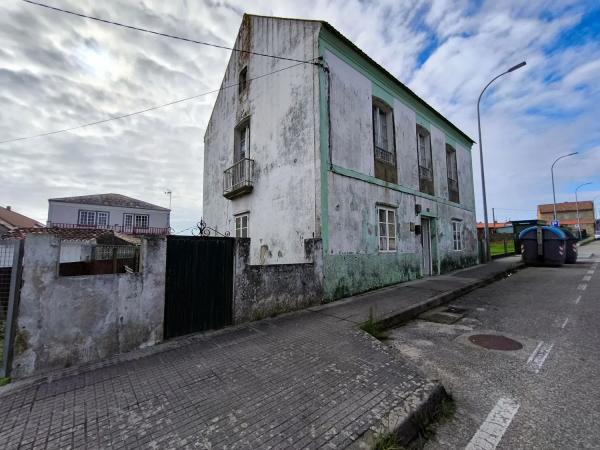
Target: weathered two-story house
x=330 y=146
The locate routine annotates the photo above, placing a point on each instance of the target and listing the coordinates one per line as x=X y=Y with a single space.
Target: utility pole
x=494 y=217
x=169 y=193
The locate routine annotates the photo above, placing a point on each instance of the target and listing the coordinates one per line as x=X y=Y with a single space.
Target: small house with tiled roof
x=108 y=211
x=9 y=220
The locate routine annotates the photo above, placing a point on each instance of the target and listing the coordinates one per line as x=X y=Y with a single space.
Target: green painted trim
x=383 y=94
x=324 y=153
x=329 y=41
x=423 y=122
x=396 y=187
x=429 y=214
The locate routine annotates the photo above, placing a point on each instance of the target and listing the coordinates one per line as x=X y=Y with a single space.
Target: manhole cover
x=495 y=342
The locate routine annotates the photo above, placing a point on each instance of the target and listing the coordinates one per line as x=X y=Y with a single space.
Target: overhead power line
x=157 y=33
x=152 y=108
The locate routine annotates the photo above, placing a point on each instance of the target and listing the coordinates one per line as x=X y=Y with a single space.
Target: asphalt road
x=545 y=395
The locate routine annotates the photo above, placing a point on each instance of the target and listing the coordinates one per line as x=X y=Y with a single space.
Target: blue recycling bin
x=543 y=245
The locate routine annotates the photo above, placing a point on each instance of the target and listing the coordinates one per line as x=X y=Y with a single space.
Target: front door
x=426 y=246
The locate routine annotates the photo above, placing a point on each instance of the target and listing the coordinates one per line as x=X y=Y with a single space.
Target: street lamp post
x=577 y=206
x=552 y=172
x=486 y=231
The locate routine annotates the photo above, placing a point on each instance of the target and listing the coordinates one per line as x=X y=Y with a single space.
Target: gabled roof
x=12 y=219
x=584 y=205
x=391 y=77
x=110 y=199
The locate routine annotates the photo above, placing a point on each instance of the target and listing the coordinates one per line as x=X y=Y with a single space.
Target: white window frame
x=102 y=218
x=457 y=235
x=241 y=228
x=141 y=217
x=387 y=235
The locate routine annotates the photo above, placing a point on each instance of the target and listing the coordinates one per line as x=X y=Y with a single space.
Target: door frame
x=426 y=234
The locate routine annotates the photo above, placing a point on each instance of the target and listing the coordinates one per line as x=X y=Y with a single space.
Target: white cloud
x=58 y=71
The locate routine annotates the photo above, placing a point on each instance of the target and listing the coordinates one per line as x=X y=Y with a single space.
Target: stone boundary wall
x=69 y=320
x=266 y=290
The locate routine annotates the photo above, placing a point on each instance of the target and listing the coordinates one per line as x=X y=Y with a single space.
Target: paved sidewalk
x=310 y=379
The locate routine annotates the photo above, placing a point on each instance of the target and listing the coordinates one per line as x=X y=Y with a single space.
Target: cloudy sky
x=59 y=71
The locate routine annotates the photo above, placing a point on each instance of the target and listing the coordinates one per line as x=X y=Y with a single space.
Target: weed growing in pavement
x=427 y=426
x=386 y=441
x=4 y=380
x=372 y=327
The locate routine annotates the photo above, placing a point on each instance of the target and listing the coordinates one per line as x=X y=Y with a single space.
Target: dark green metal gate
x=199 y=284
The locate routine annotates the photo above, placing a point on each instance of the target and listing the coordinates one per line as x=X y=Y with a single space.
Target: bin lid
x=570 y=235
x=548 y=233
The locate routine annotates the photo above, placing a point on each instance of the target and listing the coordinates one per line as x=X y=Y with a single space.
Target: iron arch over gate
x=199 y=284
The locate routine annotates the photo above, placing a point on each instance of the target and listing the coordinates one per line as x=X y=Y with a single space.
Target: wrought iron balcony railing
x=239 y=179
x=384 y=156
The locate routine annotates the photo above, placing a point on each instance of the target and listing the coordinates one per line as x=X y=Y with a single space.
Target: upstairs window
x=425 y=162
x=383 y=142
x=87 y=218
x=386 y=229
x=457 y=243
x=241 y=226
x=102 y=219
x=141 y=220
x=242 y=141
x=243 y=80
x=452 y=169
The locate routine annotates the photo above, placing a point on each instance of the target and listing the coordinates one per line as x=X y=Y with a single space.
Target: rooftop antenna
x=169 y=193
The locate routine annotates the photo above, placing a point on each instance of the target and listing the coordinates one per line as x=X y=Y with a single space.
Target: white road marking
x=564 y=323
x=590 y=272
x=490 y=432
x=586 y=278
x=539 y=355
x=577 y=300
x=582 y=287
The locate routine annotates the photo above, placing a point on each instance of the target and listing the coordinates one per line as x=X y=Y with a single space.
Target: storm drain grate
x=495 y=342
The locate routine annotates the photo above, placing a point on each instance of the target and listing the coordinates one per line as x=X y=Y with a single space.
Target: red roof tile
x=15 y=220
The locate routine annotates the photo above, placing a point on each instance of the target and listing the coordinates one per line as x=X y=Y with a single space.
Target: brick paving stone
x=307 y=380
x=300 y=381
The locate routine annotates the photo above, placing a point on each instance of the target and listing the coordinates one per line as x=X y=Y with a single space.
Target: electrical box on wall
x=412 y=226
x=417 y=229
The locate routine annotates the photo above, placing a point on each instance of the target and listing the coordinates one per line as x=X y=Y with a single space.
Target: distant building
x=566 y=213
x=108 y=211
x=495 y=228
x=9 y=220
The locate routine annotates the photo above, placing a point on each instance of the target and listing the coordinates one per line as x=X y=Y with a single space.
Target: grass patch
x=497 y=248
x=372 y=327
x=4 y=380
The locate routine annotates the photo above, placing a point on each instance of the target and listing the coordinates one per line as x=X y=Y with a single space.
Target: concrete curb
x=443 y=298
x=405 y=422
x=420 y=408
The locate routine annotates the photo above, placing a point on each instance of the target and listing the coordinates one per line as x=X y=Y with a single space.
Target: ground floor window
x=386 y=229
x=457 y=242
x=241 y=226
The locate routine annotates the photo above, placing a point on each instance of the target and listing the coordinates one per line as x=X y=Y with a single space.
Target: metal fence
x=10 y=270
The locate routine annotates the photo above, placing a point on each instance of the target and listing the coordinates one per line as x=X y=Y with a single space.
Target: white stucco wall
x=61 y=212
x=283 y=109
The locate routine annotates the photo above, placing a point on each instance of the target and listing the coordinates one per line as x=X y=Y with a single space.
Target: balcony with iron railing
x=238 y=180
x=426 y=180
x=453 y=194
